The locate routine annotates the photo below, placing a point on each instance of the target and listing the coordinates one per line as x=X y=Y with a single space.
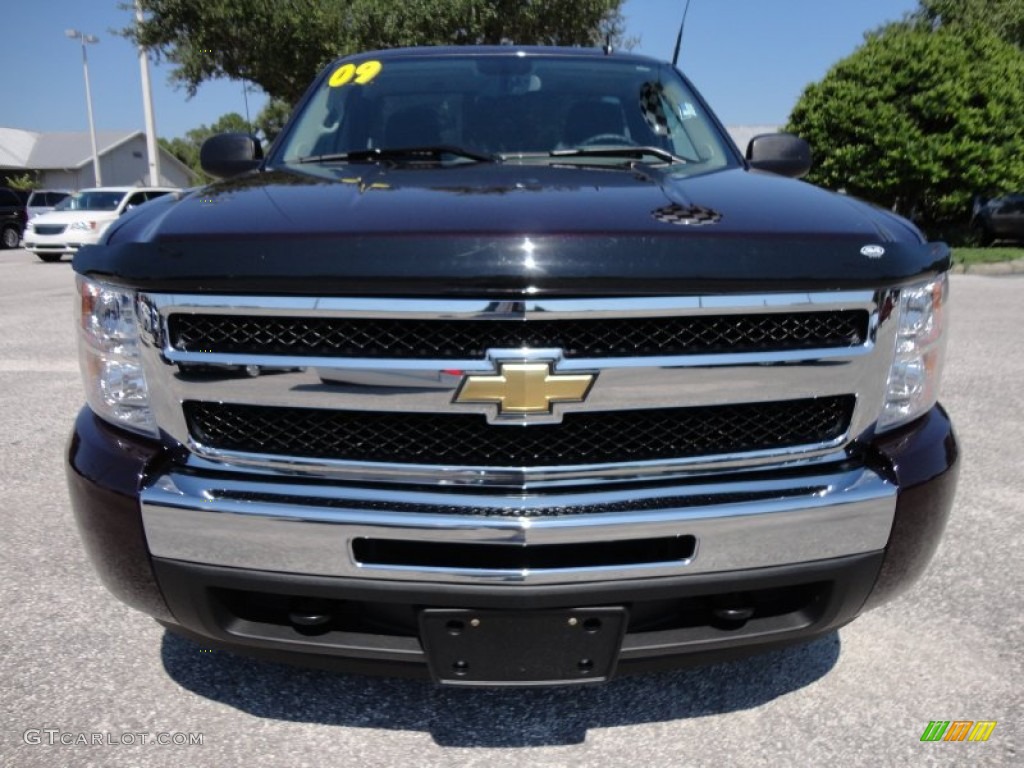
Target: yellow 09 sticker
x=359 y=74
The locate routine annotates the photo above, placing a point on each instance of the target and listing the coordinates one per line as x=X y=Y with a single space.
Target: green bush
x=920 y=120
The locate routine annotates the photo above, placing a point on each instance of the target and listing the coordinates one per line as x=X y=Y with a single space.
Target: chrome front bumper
x=312 y=528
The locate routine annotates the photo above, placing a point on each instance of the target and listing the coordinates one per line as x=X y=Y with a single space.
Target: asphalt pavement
x=86 y=681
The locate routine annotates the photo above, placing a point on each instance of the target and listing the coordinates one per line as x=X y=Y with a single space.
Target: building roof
x=54 y=151
x=15 y=147
x=64 y=151
x=74 y=150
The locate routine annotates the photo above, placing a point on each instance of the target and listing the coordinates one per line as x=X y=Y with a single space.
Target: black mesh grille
x=470 y=339
x=468 y=440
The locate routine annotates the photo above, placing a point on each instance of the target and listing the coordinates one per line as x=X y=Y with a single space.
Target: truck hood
x=508 y=229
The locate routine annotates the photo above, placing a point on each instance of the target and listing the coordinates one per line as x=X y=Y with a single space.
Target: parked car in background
x=82 y=217
x=999 y=218
x=44 y=200
x=12 y=216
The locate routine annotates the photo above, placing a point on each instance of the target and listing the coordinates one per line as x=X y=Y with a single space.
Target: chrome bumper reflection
x=310 y=529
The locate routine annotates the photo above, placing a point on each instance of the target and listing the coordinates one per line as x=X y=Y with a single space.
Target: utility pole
x=152 y=150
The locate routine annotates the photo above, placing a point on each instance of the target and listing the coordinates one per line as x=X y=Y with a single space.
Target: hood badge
x=872 y=251
x=525 y=388
x=687 y=215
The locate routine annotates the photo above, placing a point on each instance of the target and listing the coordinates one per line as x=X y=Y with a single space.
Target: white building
x=64 y=160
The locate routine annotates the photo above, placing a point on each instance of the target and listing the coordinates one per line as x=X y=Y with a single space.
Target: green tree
x=919 y=119
x=1004 y=18
x=272 y=118
x=26 y=181
x=187 y=149
x=280 y=45
x=232 y=121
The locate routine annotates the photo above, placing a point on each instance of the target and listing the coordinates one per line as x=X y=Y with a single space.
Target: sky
x=750 y=59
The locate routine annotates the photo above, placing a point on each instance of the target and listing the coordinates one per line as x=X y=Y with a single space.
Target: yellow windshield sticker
x=358 y=74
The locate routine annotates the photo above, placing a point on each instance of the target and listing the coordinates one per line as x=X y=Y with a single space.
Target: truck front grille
x=406 y=339
x=367 y=389
x=468 y=440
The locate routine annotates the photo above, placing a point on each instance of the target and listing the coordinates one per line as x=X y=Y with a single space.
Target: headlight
x=913 y=385
x=108 y=352
x=85 y=226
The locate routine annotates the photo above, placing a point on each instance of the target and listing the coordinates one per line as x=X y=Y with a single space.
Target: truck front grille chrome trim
x=199 y=390
x=290 y=528
x=533 y=509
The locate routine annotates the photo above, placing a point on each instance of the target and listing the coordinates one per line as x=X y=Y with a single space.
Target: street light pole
x=74 y=34
x=147 y=109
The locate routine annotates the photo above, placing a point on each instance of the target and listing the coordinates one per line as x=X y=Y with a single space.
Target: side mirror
x=229 y=154
x=781 y=153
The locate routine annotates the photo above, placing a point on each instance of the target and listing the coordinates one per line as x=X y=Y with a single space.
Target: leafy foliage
x=187 y=149
x=1004 y=18
x=920 y=119
x=281 y=44
x=25 y=181
x=271 y=119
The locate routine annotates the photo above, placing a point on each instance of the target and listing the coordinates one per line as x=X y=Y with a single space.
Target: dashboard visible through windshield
x=504 y=107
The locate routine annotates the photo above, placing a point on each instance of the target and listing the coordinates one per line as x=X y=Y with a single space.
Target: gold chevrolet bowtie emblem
x=525 y=388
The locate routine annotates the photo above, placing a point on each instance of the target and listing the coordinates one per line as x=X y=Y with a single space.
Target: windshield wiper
x=431 y=153
x=619 y=151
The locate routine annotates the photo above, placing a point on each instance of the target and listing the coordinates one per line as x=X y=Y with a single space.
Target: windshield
x=91 y=200
x=42 y=199
x=505 y=106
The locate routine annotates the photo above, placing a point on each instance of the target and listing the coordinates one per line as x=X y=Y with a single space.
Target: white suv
x=82 y=218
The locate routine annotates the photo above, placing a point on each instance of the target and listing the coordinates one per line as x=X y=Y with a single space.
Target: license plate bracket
x=521 y=648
